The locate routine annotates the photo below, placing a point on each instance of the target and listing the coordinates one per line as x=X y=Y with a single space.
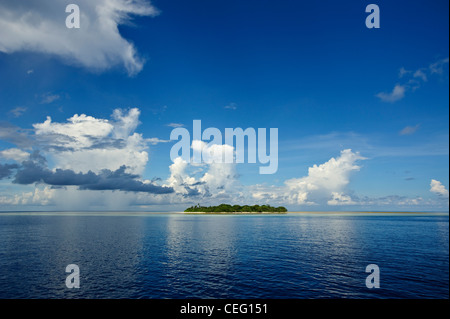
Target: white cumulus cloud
x=80 y=131
x=340 y=199
x=325 y=181
x=215 y=178
x=438 y=188
x=39 y=196
x=86 y=143
x=325 y=184
x=14 y=154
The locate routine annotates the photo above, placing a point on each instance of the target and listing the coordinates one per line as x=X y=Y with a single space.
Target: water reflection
x=181 y=256
x=105 y=248
x=201 y=248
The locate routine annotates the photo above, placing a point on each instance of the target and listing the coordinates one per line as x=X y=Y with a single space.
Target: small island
x=236 y=209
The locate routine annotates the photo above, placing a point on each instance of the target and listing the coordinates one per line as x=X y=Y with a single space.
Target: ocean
x=177 y=256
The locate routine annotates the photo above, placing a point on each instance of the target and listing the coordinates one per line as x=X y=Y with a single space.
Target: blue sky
x=311 y=69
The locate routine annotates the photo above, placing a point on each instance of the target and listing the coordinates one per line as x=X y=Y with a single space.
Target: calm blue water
x=185 y=256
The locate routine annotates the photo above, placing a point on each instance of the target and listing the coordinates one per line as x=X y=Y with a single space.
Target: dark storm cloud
x=6 y=170
x=191 y=192
x=120 y=180
x=34 y=171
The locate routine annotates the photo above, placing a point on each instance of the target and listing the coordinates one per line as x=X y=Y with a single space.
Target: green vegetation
x=225 y=208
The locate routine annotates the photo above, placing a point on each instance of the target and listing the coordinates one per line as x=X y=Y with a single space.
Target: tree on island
x=225 y=208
